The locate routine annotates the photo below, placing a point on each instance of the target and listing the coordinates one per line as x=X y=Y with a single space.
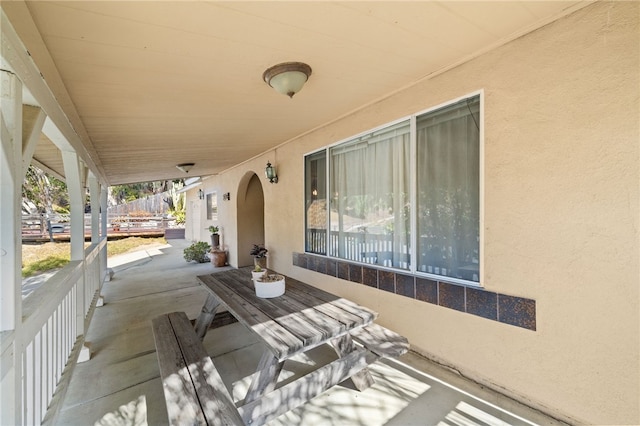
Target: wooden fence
x=38 y=227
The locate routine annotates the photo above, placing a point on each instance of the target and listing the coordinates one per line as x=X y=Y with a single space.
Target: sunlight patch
x=132 y=414
x=392 y=392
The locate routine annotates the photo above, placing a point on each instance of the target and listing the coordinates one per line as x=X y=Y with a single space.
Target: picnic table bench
x=301 y=319
x=193 y=389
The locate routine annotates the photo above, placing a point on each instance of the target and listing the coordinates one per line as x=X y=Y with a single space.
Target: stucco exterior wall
x=560 y=216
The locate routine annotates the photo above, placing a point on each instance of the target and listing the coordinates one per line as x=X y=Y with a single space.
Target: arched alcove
x=250 y=210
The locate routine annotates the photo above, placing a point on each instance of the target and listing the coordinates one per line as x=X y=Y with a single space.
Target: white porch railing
x=55 y=318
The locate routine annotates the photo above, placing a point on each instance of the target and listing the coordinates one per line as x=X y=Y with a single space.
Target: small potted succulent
x=258 y=272
x=259 y=253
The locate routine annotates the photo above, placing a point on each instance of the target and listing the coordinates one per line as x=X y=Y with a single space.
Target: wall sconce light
x=270 y=172
x=201 y=194
x=226 y=196
x=185 y=167
x=287 y=78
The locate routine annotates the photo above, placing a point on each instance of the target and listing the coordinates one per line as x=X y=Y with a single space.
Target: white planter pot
x=256 y=275
x=268 y=289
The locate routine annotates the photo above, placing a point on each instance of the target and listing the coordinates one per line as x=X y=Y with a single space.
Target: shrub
x=198 y=252
x=180 y=217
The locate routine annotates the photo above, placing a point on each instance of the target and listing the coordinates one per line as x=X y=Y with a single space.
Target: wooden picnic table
x=301 y=319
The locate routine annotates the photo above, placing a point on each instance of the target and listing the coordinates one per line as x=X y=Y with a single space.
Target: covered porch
x=120 y=384
x=543 y=305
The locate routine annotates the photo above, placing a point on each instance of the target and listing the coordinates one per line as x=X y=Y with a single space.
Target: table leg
x=206 y=316
x=265 y=378
x=343 y=346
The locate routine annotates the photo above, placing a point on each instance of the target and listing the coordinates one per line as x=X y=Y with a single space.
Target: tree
x=177 y=202
x=120 y=194
x=47 y=193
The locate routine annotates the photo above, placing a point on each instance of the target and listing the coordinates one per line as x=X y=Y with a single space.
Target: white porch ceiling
x=151 y=84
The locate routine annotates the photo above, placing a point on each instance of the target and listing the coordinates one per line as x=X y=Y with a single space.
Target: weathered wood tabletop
x=301 y=319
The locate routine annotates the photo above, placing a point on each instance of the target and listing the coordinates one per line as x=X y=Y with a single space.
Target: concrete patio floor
x=120 y=384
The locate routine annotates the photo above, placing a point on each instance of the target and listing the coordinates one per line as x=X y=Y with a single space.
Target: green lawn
x=39 y=258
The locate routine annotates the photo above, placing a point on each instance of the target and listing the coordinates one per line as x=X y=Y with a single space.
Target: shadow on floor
x=120 y=384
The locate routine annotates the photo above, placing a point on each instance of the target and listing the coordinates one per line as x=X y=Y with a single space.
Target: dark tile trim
x=427 y=290
x=512 y=310
x=370 y=277
x=355 y=273
x=482 y=303
x=406 y=285
x=452 y=296
x=517 y=311
x=387 y=281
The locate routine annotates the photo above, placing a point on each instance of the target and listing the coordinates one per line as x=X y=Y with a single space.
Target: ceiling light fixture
x=287 y=78
x=185 y=167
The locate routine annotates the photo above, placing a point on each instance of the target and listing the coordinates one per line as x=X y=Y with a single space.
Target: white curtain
x=370 y=198
x=448 y=192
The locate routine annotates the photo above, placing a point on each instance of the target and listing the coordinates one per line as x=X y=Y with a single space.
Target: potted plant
x=215 y=237
x=270 y=285
x=257 y=272
x=259 y=253
x=218 y=256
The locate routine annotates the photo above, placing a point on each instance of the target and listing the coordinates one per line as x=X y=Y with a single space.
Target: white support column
x=10 y=245
x=10 y=184
x=94 y=196
x=73 y=173
x=104 y=208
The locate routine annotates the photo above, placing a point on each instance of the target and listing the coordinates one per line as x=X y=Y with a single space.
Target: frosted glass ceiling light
x=287 y=78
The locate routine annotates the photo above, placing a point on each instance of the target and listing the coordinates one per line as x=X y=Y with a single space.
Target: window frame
x=211 y=201
x=413 y=196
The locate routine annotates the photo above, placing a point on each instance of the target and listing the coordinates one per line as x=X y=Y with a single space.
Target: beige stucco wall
x=560 y=216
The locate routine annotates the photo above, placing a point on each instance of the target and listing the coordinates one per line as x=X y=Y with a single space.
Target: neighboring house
x=552 y=317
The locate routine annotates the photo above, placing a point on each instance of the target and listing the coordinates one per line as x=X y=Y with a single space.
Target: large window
x=400 y=198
